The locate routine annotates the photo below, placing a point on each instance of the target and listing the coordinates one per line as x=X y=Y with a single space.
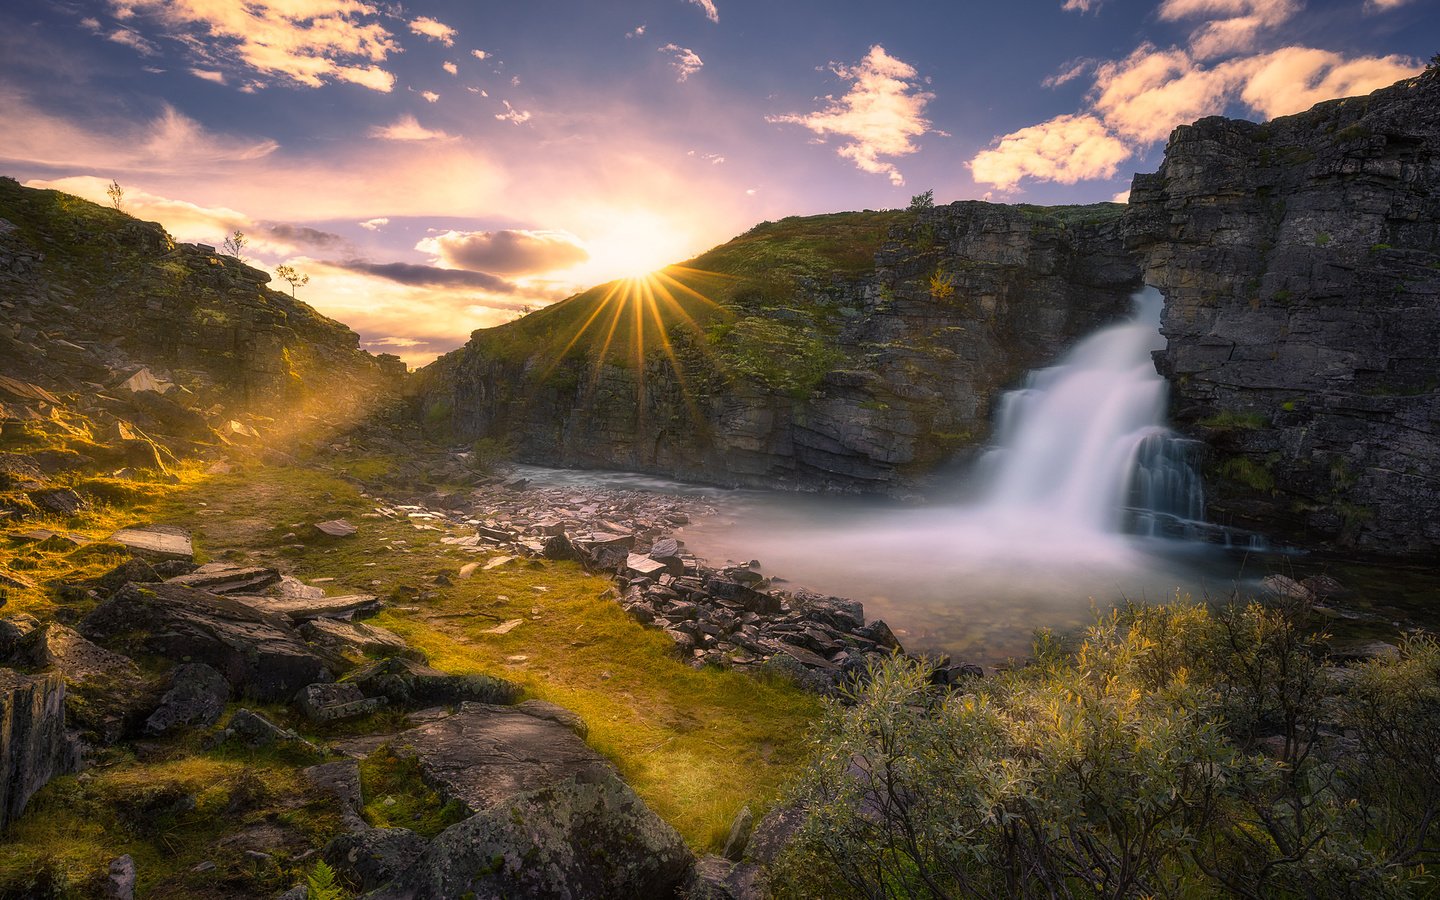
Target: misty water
x=1085 y=499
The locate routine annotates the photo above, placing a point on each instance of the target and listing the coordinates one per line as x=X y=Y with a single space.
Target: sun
x=637 y=243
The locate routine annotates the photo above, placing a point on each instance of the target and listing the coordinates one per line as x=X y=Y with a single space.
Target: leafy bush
x=489 y=452
x=1176 y=752
x=922 y=201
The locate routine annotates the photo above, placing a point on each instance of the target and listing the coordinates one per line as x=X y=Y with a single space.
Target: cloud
x=302 y=236
x=686 y=62
x=407 y=128
x=209 y=75
x=1232 y=26
x=512 y=251
x=512 y=115
x=638 y=32
x=708 y=6
x=880 y=116
x=430 y=96
x=435 y=31
x=1383 y=5
x=417 y=275
x=480 y=54
x=1294 y=79
x=134 y=41
x=450 y=67
x=375 y=224
x=1144 y=96
x=1081 y=6
x=171 y=141
x=1121 y=196
x=307 y=43
x=712 y=158
x=1066 y=149
x=1068 y=72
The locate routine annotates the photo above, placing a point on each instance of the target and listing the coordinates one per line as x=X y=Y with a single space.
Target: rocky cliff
x=849 y=352
x=1300 y=261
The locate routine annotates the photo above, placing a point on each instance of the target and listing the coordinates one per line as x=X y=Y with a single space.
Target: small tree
x=295 y=278
x=234 y=245
x=116 y=194
x=922 y=201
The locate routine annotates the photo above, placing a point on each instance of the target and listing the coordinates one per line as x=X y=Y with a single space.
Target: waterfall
x=1083 y=445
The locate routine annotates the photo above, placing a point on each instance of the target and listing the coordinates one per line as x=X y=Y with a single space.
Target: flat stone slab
x=156 y=541
x=227 y=578
x=336 y=528
x=642 y=565
x=301 y=609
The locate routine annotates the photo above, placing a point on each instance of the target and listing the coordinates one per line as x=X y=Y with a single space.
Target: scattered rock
x=739 y=835
x=1285 y=587
x=197 y=696
x=339 y=639
x=107 y=691
x=336 y=528
x=120 y=882
x=61 y=502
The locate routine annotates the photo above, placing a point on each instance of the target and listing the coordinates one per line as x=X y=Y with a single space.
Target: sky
x=438 y=167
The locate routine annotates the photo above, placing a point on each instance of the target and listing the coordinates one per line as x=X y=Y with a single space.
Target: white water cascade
x=1083 y=446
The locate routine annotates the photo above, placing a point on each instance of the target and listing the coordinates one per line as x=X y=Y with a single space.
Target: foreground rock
x=259 y=654
x=34 y=745
x=550 y=816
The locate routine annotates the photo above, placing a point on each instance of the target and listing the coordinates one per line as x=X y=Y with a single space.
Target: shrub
x=922 y=201
x=1173 y=753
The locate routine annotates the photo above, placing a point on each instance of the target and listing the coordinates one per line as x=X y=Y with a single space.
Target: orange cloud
x=407 y=128
x=435 y=31
x=880 y=116
x=1144 y=96
x=1066 y=149
x=306 y=42
x=1293 y=79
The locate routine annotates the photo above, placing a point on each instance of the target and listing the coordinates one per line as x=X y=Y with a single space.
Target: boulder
x=336 y=528
x=34 y=745
x=1285 y=587
x=740 y=831
x=251 y=729
x=133 y=569
x=583 y=836
x=338 y=639
x=61 y=502
x=411 y=684
x=259 y=654
x=341 y=780
x=106 y=690
x=197 y=696
x=717 y=878
x=373 y=857
x=120 y=881
x=333 y=702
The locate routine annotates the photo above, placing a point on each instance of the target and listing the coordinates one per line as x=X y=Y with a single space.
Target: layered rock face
x=1300 y=261
x=907 y=351
x=34 y=745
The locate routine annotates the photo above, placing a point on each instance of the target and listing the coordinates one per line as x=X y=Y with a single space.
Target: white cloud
x=708 y=6
x=430 y=96
x=209 y=75
x=450 y=67
x=685 y=61
x=1144 y=96
x=375 y=224
x=1121 y=196
x=1066 y=149
x=513 y=115
x=308 y=43
x=638 y=32
x=435 y=31
x=407 y=128
x=1081 y=6
x=880 y=116
x=714 y=159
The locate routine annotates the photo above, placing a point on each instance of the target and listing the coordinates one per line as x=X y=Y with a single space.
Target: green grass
x=396 y=796
x=1235 y=420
